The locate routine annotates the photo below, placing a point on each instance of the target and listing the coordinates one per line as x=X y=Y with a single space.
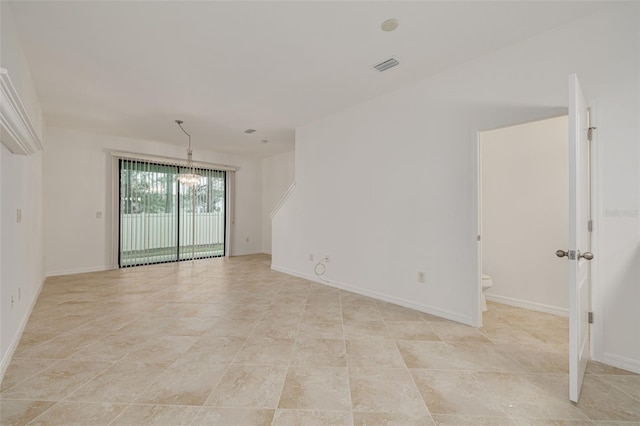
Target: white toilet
x=486 y=283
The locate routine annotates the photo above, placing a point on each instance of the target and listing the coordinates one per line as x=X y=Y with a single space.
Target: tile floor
x=231 y=342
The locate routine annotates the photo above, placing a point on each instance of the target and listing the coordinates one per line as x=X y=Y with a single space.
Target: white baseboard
x=453 y=316
x=6 y=359
x=78 y=271
x=618 y=361
x=533 y=306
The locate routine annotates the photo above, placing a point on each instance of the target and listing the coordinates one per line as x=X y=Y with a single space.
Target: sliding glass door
x=162 y=220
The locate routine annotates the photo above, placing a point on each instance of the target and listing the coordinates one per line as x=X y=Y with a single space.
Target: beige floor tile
x=121 y=383
x=156 y=415
x=391 y=312
x=176 y=309
x=188 y=326
x=384 y=390
x=523 y=395
x=455 y=392
x=375 y=353
x=539 y=358
x=109 y=323
x=319 y=353
x=453 y=332
x=21 y=412
x=310 y=315
x=461 y=420
x=316 y=388
x=113 y=347
x=321 y=329
x=392 y=419
x=76 y=413
x=324 y=299
x=356 y=329
x=249 y=387
x=248 y=312
x=232 y=327
x=21 y=369
x=361 y=312
x=517 y=421
x=312 y=418
x=276 y=309
x=212 y=416
x=61 y=347
x=208 y=310
x=265 y=351
x=183 y=384
x=484 y=357
x=57 y=381
x=431 y=355
x=160 y=348
x=347 y=297
x=594 y=367
x=547 y=335
x=61 y=324
x=29 y=340
x=501 y=333
x=627 y=383
x=411 y=330
x=600 y=400
x=194 y=318
x=277 y=328
x=213 y=350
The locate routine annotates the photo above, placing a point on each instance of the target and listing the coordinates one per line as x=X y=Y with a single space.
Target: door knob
x=587 y=255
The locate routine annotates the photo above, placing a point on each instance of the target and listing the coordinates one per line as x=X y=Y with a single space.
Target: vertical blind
x=162 y=220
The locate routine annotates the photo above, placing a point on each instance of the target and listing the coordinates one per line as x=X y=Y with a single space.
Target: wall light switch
x=98 y=215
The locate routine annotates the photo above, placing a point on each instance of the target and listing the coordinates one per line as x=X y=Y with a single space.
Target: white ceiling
x=132 y=68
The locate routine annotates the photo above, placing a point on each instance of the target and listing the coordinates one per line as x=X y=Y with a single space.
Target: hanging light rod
x=190 y=178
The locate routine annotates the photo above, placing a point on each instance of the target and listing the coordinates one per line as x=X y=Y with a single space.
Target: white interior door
x=579 y=237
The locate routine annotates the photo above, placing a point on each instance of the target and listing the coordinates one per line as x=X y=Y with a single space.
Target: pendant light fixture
x=190 y=178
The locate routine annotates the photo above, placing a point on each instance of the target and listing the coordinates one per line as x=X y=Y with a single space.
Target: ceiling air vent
x=385 y=65
x=249 y=131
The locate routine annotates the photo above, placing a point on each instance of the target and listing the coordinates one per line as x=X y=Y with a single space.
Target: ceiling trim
x=19 y=134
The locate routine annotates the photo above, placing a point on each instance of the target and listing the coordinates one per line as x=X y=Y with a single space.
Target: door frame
x=596 y=330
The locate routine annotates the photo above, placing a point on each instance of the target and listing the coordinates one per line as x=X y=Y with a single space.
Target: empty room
x=291 y=213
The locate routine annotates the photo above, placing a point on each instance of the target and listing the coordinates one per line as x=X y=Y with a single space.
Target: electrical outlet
x=421 y=276
x=310 y=257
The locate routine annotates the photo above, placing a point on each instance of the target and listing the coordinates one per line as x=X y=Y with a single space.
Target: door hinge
x=478 y=238
x=590 y=133
x=590 y=318
x=590 y=226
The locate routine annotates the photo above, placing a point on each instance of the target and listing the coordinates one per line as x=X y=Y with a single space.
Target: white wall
x=388 y=187
x=21 y=247
x=277 y=177
x=524 y=214
x=77 y=167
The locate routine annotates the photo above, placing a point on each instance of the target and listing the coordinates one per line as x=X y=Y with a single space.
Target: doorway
x=523 y=214
x=163 y=220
